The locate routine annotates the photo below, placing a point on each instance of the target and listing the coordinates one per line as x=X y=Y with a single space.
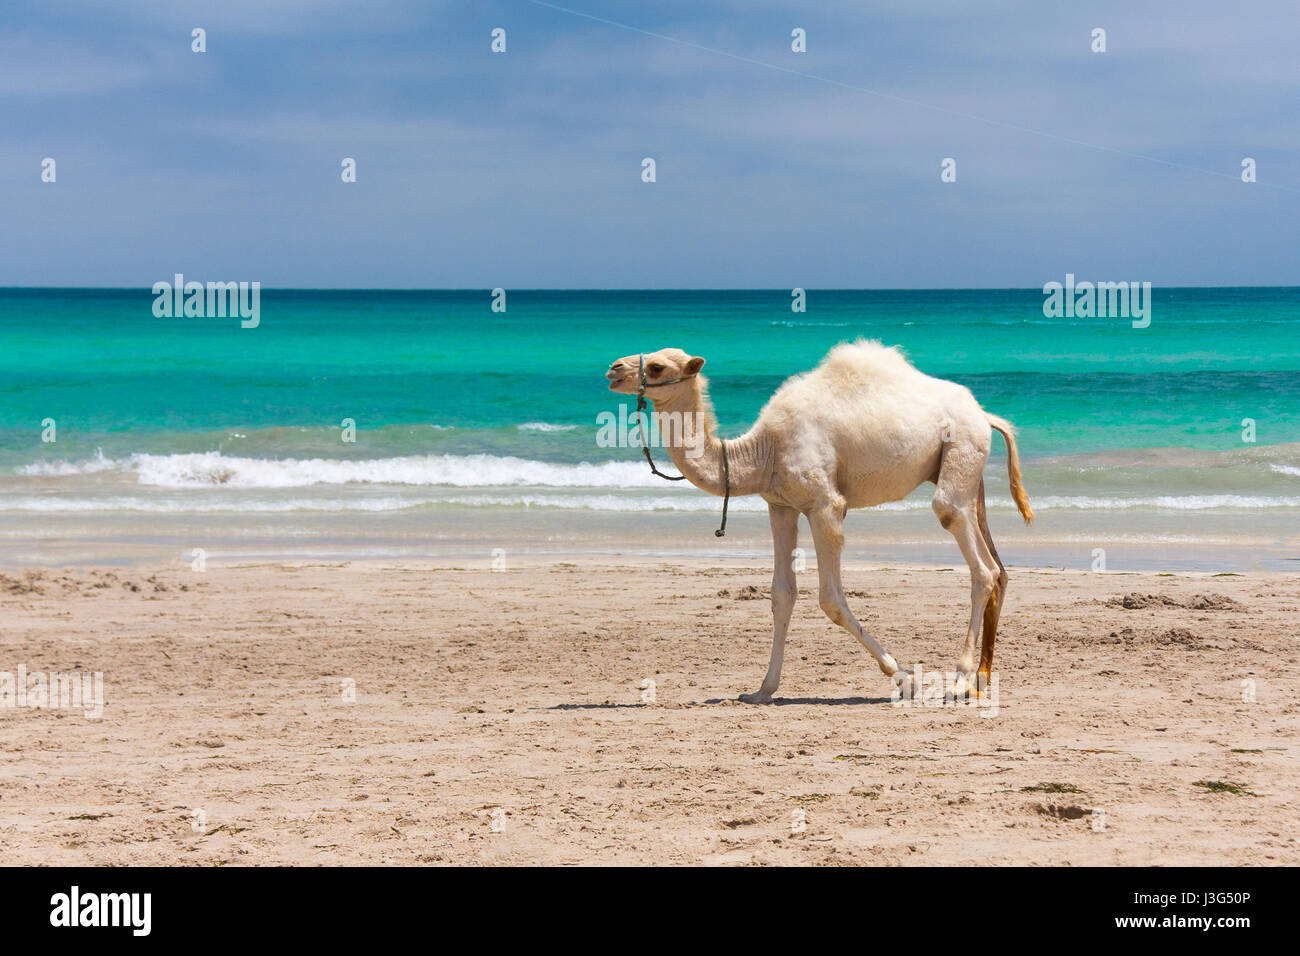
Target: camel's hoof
x=966 y=687
x=758 y=697
x=961 y=688
x=904 y=684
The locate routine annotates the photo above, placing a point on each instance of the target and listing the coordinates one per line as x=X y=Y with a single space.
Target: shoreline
x=1212 y=542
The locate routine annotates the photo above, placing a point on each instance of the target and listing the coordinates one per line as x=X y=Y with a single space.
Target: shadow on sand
x=714 y=701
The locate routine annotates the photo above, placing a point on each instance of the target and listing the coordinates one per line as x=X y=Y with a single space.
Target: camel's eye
x=656 y=369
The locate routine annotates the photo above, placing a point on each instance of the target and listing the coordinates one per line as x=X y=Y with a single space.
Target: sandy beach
x=380 y=712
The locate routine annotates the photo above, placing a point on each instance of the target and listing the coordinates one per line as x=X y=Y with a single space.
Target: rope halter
x=645 y=445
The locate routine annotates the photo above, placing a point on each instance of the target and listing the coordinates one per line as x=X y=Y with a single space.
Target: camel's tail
x=1013 y=467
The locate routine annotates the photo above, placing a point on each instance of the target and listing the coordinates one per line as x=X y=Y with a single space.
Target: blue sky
x=522 y=169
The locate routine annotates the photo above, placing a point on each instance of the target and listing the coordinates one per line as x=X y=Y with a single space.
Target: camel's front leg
x=828 y=535
x=785 y=535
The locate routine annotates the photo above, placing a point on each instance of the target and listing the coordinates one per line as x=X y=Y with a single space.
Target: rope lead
x=726 y=483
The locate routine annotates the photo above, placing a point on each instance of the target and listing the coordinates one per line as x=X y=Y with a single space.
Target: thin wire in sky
x=901 y=99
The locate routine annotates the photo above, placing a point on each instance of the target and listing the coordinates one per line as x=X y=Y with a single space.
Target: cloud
x=524 y=168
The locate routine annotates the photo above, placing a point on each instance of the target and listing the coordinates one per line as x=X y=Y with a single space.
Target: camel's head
x=665 y=371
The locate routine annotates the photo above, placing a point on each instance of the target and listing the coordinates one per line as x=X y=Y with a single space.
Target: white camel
x=863 y=428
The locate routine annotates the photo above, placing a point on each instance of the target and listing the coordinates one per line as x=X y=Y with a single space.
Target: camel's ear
x=694 y=365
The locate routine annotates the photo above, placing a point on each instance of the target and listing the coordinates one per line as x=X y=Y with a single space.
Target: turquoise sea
x=472 y=424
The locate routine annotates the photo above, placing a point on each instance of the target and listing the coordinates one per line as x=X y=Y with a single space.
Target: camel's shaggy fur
x=863 y=428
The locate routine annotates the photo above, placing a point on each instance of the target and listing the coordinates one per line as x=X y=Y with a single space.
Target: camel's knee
x=784 y=593
x=833 y=606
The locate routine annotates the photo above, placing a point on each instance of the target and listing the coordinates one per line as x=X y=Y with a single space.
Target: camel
x=863 y=428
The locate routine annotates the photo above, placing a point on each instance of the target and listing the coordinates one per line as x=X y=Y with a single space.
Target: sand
x=499 y=718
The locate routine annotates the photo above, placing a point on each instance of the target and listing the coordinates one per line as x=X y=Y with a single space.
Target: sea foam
x=206 y=469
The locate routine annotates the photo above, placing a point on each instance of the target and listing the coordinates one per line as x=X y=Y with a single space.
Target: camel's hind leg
x=957 y=503
x=992 y=610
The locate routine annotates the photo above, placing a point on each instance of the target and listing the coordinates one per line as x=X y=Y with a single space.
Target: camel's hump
x=866 y=356
x=861 y=371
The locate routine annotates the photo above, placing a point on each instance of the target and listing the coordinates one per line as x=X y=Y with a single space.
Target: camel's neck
x=749 y=457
